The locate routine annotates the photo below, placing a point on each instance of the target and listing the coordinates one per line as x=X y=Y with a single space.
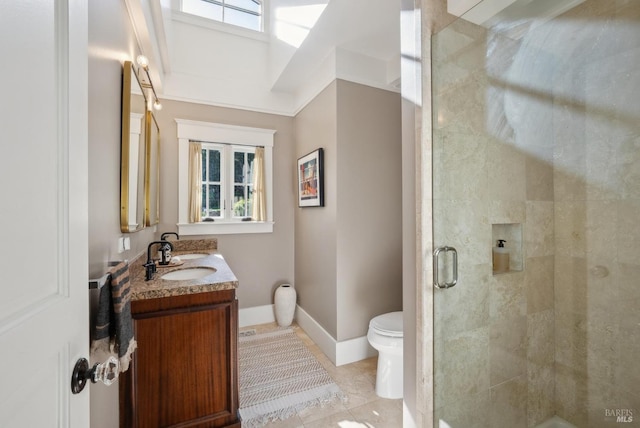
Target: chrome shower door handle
x=436 y=258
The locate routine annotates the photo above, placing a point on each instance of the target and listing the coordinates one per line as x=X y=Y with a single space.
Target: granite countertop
x=220 y=279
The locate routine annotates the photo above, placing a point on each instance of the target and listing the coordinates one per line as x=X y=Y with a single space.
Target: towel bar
x=98 y=283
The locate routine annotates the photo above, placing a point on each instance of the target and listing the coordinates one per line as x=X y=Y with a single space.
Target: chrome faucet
x=150 y=265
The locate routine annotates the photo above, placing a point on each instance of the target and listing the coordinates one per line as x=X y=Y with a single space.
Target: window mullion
x=228 y=183
x=206 y=187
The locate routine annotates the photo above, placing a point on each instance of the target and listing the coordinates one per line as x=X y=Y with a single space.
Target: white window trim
x=190 y=130
x=187 y=18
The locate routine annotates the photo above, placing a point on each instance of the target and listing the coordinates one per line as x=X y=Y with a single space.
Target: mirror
x=152 y=172
x=133 y=152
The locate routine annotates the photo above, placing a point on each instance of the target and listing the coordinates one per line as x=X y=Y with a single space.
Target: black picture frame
x=311 y=179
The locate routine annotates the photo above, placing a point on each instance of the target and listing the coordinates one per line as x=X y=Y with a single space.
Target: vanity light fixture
x=143 y=62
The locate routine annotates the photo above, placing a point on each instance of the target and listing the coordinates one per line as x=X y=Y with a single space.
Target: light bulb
x=142 y=61
x=157 y=105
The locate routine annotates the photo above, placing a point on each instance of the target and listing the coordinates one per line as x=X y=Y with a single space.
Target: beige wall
x=315 y=228
x=369 y=206
x=111 y=41
x=348 y=253
x=261 y=261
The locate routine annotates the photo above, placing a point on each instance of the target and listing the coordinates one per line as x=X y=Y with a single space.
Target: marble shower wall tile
x=469 y=412
x=539 y=229
x=509 y=403
x=507 y=212
x=570 y=292
x=467 y=96
x=465 y=55
x=539 y=283
x=540 y=367
x=570 y=228
x=507 y=349
x=627 y=231
x=601 y=229
x=507 y=298
x=571 y=395
x=627 y=370
x=465 y=306
x=628 y=295
x=629 y=166
x=571 y=341
x=603 y=169
x=464 y=225
x=460 y=167
x=541 y=342
x=540 y=394
x=462 y=366
x=539 y=179
x=505 y=168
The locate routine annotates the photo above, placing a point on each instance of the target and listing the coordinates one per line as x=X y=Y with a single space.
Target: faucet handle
x=151 y=265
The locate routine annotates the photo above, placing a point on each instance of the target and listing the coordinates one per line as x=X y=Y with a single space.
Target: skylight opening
x=242 y=13
x=293 y=23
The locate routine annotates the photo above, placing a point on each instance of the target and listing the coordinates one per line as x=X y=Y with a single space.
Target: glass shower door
x=536 y=141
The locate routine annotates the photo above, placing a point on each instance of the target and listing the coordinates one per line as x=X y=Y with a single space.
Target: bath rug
x=279 y=377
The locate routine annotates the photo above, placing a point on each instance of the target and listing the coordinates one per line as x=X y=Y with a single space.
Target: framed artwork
x=310 y=180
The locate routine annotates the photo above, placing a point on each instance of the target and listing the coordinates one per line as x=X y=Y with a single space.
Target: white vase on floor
x=285 y=304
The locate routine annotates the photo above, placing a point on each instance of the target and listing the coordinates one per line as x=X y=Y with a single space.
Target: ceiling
x=356 y=40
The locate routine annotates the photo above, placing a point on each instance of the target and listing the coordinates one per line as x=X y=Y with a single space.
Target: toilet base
x=389 y=382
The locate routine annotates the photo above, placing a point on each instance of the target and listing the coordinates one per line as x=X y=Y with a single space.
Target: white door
x=43 y=197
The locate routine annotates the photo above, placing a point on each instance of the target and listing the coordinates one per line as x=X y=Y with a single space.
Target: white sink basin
x=191 y=273
x=191 y=256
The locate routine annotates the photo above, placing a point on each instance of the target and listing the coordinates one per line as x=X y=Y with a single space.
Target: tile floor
x=363 y=409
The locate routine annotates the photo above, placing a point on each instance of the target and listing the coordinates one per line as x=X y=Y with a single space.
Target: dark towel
x=114 y=326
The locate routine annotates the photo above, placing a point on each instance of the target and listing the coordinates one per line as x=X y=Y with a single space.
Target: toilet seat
x=390 y=325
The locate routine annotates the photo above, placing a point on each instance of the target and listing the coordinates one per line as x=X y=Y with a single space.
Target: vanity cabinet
x=184 y=372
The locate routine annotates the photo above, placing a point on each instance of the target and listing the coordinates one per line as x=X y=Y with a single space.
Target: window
x=242 y=13
x=228 y=154
x=227 y=181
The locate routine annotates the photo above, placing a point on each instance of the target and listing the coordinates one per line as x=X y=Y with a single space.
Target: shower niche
x=507 y=248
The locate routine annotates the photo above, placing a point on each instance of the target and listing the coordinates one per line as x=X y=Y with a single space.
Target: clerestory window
x=241 y=13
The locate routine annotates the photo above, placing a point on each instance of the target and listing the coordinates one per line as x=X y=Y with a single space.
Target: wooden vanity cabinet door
x=184 y=372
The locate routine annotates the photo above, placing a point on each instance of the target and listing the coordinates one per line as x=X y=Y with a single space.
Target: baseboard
x=352 y=350
x=256 y=315
x=317 y=333
x=340 y=353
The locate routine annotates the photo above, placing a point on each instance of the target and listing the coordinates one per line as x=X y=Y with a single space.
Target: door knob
x=106 y=373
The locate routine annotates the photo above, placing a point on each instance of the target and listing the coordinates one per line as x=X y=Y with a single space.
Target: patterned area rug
x=279 y=376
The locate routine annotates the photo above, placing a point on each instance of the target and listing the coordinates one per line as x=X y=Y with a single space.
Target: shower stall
x=536 y=141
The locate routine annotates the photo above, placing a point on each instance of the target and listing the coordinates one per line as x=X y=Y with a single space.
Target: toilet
x=385 y=335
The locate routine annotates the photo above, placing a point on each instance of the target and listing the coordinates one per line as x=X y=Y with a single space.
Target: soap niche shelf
x=512 y=234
